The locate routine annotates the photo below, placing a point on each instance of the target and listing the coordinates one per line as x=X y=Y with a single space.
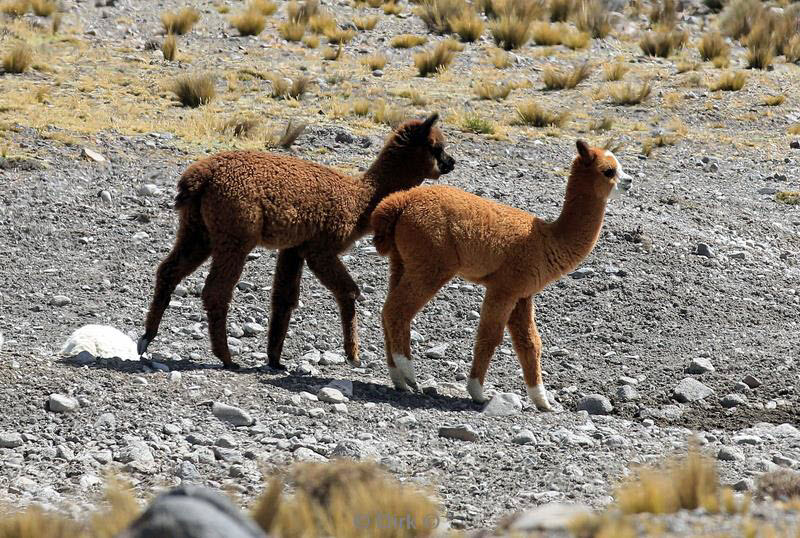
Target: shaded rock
x=232 y=415
x=751 y=381
x=10 y=440
x=690 y=390
x=345 y=386
x=730 y=453
x=60 y=300
x=136 y=451
x=355 y=450
x=700 y=365
x=462 y=432
x=733 y=400
x=595 y=404
x=704 y=250
x=626 y=393
x=187 y=471
x=436 y=352
x=524 y=437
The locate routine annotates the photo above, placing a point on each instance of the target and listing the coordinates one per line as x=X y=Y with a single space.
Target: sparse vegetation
x=249 y=22
x=302 y=13
x=774 y=100
x=392 y=8
x=546 y=34
x=311 y=41
x=615 y=71
x=562 y=10
x=593 y=18
x=500 y=58
x=15 y=8
x=490 y=90
x=437 y=14
x=332 y=54
x=194 y=90
x=603 y=124
x=374 y=61
x=340 y=36
x=713 y=45
x=662 y=43
x=181 y=22
x=664 y=13
x=532 y=114
x=760 y=48
x=510 y=32
x=265 y=7
x=365 y=23
x=625 y=93
x=468 y=26
x=169 y=48
x=575 y=40
x=18 y=59
x=775 y=486
x=472 y=122
x=783 y=484
x=792 y=49
x=55 y=24
x=44 y=8
x=292 y=31
x=407 y=41
x=739 y=16
x=434 y=61
x=558 y=79
x=323 y=22
x=387 y=114
x=729 y=81
x=241 y=127
x=361 y=107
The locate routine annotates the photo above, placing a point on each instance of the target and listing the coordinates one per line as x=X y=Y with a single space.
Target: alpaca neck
x=577 y=228
x=391 y=172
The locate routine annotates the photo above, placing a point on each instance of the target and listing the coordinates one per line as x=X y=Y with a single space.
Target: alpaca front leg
x=332 y=273
x=528 y=346
x=285 y=297
x=494 y=316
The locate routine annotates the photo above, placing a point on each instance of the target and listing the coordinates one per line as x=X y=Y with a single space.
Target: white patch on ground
x=538 y=395
x=475 y=390
x=101 y=341
x=406 y=367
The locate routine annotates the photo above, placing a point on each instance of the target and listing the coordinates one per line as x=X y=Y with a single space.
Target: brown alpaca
x=231 y=202
x=432 y=234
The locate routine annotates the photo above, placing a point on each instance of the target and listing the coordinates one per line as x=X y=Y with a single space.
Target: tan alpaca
x=233 y=201
x=432 y=234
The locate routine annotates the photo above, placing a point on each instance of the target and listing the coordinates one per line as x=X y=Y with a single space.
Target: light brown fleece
x=231 y=202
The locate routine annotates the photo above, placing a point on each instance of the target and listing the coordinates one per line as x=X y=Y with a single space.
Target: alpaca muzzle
x=446 y=164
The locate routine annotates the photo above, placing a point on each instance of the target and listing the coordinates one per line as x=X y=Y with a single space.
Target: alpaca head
x=418 y=147
x=601 y=168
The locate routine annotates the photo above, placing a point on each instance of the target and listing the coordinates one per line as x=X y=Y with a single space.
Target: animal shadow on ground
x=135 y=367
x=364 y=391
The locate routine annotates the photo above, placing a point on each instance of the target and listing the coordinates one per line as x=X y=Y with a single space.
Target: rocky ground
x=683 y=321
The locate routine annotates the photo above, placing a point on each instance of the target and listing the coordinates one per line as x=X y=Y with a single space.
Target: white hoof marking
x=475 y=390
x=538 y=396
x=398 y=379
x=406 y=368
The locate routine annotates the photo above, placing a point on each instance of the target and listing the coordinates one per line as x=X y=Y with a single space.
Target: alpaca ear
x=583 y=151
x=429 y=121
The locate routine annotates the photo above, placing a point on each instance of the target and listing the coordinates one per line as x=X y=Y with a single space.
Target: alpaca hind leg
x=528 y=345
x=494 y=316
x=332 y=273
x=226 y=269
x=191 y=249
x=285 y=295
x=413 y=290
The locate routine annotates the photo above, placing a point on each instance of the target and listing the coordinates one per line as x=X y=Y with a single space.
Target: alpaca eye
x=611 y=172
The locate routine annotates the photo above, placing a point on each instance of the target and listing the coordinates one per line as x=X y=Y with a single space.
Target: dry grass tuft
x=557 y=79
x=322 y=22
x=387 y=114
x=241 y=127
x=472 y=122
x=783 y=484
x=760 y=47
x=721 y=62
x=249 y=22
x=375 y=61
x=739 y=16
x=180 y=22
x=490 y=90
x=664 y=13
x=773 y=100
x=328 y=495
x=361 y=107
x=615 y=71
x=169 y=48
x=434 y=61
x=468 y=26
x=713 y=46
x=311 y=41
x=562 y=10
x=729 y=81
x=792 y=49
x=530 y=113
x=662 y=43
x=340 y=36
x=302 y=12
x=437 y=14
x=602 y=124
x=528 y=10
x=292 y=31
x=15 y=8
x=688 y=483
x=510 y=32
x=407 y=41
x=44 y=8
x=55 y=24
x=265 y=7
x=284 y=88
x=593 y=18
x=292 y=132
x=500 y=58
x=392 y=8
x=627 y=94
x=576 y=40
x=332 y=54
x=194 y=90
x=365 y=23
x=546 y=34
x=18 y=59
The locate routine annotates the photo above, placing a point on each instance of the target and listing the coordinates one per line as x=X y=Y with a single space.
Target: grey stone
x=627 y=380
x=583 y=272
x=329 y=359
x=175 y=377
x=187 y=471
x=305 y=368
x=58 y=403
x=733 y=400
x=437 y=352
x=730 y=453
x=550 y=517
x=462 y=432
x=65 y=453
x=228 y=455
x=136 y=451
x=10 y=440
x=193 y=512
x=626 y=393
x=226 y=441
x=340 y=408
x=148 y=189
x=783 y=461
x=700 y=365
x=330 y=395
x=524 y=437
x=429 y=387
x=747 y=440
x=306 y=454
x=751 y=381
x=312 y=356
x=690 y=390
x=252 y=329
x=503 y=404
x=235 y=330
x=60 y=300
x=345 y=386
x=595 y=404
x=704 y=250
x=745 y=484
x=741 y=388
x=232 y=415
x=198 y=440
x=355 y=450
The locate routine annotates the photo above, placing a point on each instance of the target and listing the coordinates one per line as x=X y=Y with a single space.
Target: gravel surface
x=683 y=321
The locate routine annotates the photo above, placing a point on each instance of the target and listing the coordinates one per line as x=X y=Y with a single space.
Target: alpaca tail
x=192 y=184
x=383 y=221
